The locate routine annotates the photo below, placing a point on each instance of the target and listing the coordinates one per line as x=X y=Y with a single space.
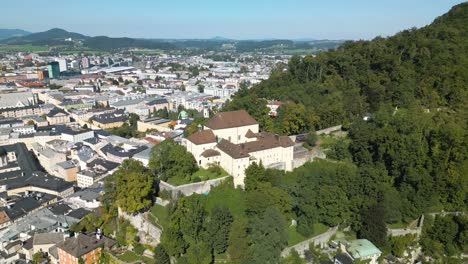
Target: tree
x=254 y=105
x=190 y=215
x=311 y=138
x=173 y=241
x=199 y=253
x=161 y=256
x=292 y=119
x=254 y=174
x=268 y=237
x=104 y=257
x=134 y=186
x=293 y=258
x=218 y=228
x=168 y=160
x=373 y=226
x=201 y=88
x=238 y=241
x=133 y=120
x=30 y=123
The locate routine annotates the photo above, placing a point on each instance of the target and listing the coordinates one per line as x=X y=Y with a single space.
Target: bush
x=304 y=227
x=196 y=179
x=215 y=169
x=138 y=248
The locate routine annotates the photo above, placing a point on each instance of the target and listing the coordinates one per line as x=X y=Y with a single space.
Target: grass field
x=130 y=256
x=86 y=52
x=159 y=216
x=23 y=48
x=147 y=52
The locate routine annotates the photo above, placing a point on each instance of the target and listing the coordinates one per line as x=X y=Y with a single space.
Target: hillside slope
x=424 y=66
x=10 y=33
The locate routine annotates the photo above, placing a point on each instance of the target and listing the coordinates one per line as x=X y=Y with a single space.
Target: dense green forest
x=425 y=67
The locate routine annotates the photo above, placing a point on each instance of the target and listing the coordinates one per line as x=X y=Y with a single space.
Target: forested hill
x=412 y=155
x=425 y=66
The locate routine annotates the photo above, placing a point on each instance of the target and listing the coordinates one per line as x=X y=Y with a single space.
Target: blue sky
x=240 y=19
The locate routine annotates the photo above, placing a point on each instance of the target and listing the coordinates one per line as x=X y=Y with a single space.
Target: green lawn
x=130 y=256
x=226 y=196
x=327 y=141
x=294 y=237
x=159 y=216
x=200 y=175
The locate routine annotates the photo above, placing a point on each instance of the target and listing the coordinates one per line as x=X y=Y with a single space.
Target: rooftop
x=230 y=119
x=202 y=137
x=47 y=238
x=362 y=248
x=81 y=244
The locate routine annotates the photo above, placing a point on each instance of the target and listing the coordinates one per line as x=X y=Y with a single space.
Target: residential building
x=57 y=116
x=109 y=120
x=86 y=178
x=67 y=170
x=75 y=134
x=48 y=158
x=20 y=172
x=85 y=62
x=42 y=242
x=155 y=123
x=5 y=221
x=86 y=247
x=84 y=199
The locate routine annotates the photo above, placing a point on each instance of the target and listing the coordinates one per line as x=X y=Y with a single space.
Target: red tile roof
x=202 y=137
x=230 y=119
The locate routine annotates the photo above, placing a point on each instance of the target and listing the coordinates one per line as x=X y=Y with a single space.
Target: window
x=238 y=137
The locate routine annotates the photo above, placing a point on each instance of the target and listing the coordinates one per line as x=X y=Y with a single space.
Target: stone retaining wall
x=191 y=188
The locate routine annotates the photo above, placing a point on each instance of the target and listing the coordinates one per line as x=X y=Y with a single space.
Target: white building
x=62 y=64
x=232 y=140
x=86 y=178
x=76 y=135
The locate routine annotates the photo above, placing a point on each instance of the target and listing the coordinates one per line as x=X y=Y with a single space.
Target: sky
x=237 y=19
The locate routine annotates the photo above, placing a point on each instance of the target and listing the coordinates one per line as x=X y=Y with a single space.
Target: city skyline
x=240 y=20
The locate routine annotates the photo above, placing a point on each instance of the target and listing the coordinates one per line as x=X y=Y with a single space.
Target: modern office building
x=54 y=70
x=62 y=64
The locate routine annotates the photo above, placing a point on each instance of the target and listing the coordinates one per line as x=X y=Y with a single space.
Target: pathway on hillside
x=316 y=240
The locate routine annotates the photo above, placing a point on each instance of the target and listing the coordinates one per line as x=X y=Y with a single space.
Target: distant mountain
x=218 y=38
x=57 y=37
x=10 y=33
x=49 y=37
x=107 y=43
